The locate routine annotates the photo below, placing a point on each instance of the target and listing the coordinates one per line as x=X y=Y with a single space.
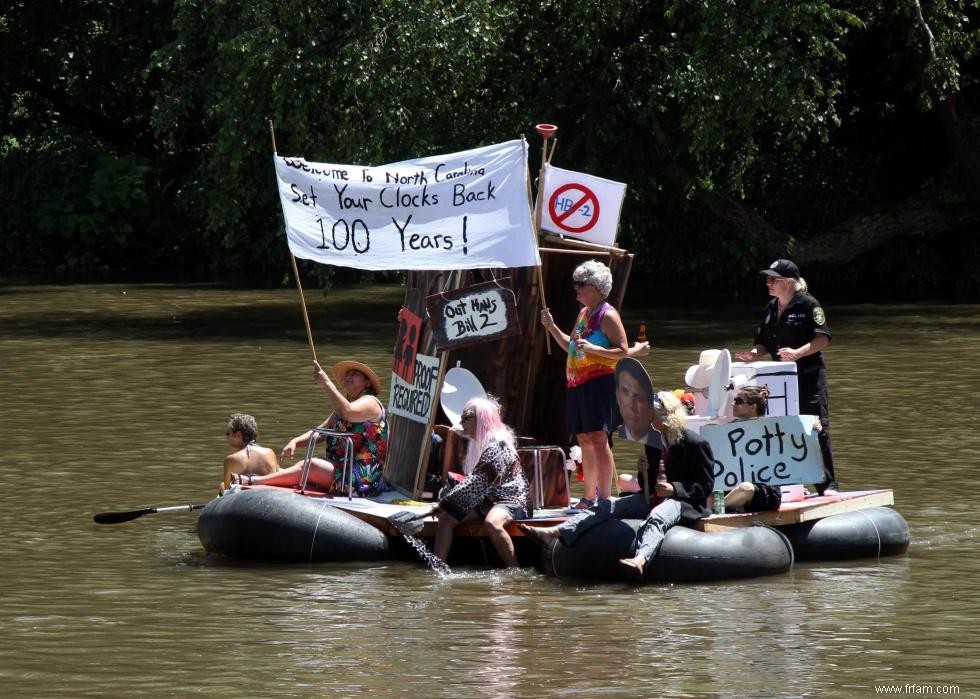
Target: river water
x=115 y=398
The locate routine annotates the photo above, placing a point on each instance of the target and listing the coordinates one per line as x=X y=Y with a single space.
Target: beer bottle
x=642 y=335
x=661 y=472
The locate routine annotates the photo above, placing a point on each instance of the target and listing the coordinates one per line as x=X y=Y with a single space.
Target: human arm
x=302 y=440
x=469 y=493
x=612 y=327
x=638 y=349
x=794 y=354
x=233 y=464
x=363 y=408
x=751 y=355
x=692 y=478
x=549 y=323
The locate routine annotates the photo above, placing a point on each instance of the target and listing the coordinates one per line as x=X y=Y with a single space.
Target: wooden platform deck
x=804 y=511
x=808 y=510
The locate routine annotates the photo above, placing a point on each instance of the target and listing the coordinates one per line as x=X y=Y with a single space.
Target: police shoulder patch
x=818 y=316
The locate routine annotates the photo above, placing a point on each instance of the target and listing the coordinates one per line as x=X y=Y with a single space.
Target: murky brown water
x=115 y=397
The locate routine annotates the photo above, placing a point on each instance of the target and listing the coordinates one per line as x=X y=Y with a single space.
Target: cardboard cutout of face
x=634 y=396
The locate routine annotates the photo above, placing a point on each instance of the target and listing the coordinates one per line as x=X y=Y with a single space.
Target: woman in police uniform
x=794 y=329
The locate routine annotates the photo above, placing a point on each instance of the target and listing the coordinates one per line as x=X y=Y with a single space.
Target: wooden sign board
x=770 y=450
x=473 y=314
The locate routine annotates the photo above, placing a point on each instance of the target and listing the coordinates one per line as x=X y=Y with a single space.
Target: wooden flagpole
x=546 y=131
x=299 y=285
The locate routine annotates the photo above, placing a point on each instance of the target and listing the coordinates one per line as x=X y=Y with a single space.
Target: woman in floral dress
x=358 y=412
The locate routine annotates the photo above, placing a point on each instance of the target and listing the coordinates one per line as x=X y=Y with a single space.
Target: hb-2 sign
x=574 y=208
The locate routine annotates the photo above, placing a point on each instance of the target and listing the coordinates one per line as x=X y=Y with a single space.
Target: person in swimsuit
x=248 y=456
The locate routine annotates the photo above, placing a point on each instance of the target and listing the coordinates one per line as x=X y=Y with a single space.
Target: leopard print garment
x=498 y=479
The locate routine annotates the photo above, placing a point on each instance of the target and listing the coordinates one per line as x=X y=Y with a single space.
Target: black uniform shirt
x=802 y=320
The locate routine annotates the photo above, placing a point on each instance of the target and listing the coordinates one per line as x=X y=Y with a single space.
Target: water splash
x=434 y=562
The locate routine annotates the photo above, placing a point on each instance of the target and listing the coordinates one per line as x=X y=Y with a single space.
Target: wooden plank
x=798 y=512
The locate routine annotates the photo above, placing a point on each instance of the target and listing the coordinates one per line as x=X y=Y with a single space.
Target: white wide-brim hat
x=699 y=375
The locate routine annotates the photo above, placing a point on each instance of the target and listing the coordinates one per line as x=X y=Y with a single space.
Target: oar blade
x=119 y=517
x=407 y=523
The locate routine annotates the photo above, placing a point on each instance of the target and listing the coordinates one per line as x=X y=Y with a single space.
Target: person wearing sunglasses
x=597 y=341
x=248 y=457
x=496 y=489
x=794 y=329
x=750 y=403
x=681 y=499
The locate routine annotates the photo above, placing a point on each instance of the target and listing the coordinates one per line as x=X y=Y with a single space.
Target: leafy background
x=134 y=141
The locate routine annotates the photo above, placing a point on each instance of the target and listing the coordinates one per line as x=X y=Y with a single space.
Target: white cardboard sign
x=415 y=400
x=771 y=450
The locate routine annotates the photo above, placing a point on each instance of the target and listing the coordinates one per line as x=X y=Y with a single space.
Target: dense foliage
x=135 y=137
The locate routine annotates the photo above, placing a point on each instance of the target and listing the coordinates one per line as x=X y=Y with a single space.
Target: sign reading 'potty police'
x=770 y=450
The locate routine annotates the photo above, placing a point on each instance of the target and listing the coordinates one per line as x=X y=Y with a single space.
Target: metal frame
x=538 y=481
x=347 y=474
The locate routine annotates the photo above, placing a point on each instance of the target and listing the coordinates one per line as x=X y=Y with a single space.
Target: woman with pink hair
x=496 y=489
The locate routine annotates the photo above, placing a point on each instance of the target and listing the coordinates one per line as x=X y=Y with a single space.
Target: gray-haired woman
x=597 y=341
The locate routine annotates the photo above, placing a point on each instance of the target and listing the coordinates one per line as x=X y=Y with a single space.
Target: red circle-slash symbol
x=587 y=204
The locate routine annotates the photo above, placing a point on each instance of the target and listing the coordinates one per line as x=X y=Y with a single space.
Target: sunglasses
x=742 y=401
x=579 y=285
x=467 y=416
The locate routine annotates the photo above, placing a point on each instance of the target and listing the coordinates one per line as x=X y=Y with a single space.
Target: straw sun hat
x=340 y=370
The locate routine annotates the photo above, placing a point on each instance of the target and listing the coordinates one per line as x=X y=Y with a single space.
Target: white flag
x=581 y=206
x=461 y=211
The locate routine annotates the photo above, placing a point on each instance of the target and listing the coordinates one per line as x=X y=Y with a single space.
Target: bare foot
x=633 y=566
x=542 y=536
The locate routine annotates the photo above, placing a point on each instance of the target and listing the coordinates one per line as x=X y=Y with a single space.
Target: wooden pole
x=292 y=258
x=546 y=131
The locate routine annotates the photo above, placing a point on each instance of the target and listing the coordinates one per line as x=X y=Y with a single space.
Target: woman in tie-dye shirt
x=596 y=343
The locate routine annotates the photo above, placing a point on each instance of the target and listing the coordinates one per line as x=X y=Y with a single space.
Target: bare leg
x=444 y=535
x=595 y=447
x=634 y=565
x=445 y=531
x=740 y=496
x=589 y=473
x=321 y=474
x=496 y=520
x=542 y=536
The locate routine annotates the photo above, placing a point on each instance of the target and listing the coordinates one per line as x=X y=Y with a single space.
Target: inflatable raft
x=870 y=533
x=280 y=524
x=686 y=555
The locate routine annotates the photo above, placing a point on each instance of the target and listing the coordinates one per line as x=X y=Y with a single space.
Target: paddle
x=117 y=517
x=408 y=523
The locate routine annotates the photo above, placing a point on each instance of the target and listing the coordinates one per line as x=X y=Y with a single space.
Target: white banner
x=460 y=211
x=581 y=206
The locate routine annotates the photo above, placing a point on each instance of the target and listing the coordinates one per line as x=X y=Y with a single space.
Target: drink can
x=719 y=502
